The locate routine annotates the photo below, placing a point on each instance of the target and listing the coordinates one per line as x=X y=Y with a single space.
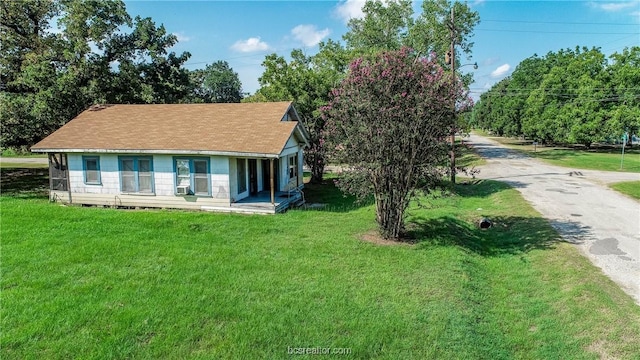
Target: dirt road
x=604 y=224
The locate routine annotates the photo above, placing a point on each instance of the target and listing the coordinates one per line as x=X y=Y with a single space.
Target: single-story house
x=220 y=157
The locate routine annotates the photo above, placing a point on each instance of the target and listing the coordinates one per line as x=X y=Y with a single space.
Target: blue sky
x=243 y=32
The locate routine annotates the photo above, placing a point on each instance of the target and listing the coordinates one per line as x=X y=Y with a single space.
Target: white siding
x=174 y=202
x=224 y=189
x=108 y=191
x=292 y=146
x=109 y=175
x=285 y=182
x=284 y=174
x=220 y=177
x=163 y=175
x=300 y=167
x=233 y=179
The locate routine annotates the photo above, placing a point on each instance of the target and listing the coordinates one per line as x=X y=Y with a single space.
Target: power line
x=569 y=97
x=561 y=32
x=558 y=22
x=574 y=89
x=549 y=93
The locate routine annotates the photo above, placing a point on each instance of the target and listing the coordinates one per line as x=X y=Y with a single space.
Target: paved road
x=604 y=224
x=24 y=160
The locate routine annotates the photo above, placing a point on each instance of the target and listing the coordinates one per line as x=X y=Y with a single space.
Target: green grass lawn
x=82 y=282
x=21 y=153
x=466 y=156
x=631 y=188
x=606 y=159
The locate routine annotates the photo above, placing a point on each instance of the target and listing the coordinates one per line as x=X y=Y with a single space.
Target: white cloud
x=478 y=2
x=181 y=37
x=309 y=35
x=615 y=6
x=349 y=9
x=500 y=70
x=250 y=45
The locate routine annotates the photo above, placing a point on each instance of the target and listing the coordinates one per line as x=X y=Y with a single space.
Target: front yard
x=103 y=283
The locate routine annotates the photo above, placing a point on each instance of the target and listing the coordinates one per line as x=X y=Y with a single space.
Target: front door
x=253 y=176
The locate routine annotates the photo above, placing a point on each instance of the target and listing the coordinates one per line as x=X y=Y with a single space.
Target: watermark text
x=317 y=350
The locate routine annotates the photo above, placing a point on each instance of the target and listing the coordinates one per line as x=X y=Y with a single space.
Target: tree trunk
x=317 y=172
x=390 y=216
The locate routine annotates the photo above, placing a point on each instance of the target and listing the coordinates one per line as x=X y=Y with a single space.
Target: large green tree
x=569 y=96
x=566 y=107
x=388 y=120
x=385 y=26
x=390 y=25
x=52 y=71
x=307 y=81
x=624 y=93
x=216 y=83
x=434 y=30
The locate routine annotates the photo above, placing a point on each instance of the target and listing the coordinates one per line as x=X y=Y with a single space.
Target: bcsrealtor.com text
x=317 y=350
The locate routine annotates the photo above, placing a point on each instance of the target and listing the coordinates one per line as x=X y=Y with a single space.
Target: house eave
x=160 y=152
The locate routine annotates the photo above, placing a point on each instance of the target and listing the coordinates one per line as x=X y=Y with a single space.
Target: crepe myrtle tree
x=389 y=120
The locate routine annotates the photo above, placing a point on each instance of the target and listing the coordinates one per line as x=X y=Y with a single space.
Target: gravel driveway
x=604 y=224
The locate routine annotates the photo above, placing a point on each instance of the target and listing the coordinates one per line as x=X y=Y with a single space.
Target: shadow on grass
x=509 y=235
x=331 y=198
x=572 y=148
x=25 y=183
x=564 y=154
x=335 y=200
x=480 y=188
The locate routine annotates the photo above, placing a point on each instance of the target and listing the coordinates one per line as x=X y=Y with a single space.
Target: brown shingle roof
x=226 y=128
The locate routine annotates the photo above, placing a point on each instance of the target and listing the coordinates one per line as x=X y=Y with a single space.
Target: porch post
x=273 y=190
x=49 y=155
x=299 y=170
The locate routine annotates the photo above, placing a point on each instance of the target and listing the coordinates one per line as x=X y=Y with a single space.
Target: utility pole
x=452 y=60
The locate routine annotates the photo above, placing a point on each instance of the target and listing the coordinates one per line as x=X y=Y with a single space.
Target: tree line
x=573 y=96
x=59 y=57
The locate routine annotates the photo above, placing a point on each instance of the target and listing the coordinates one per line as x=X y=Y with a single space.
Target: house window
x=192 y=176
x=91 y=166
x=136 y=175
x=293 y=166
x=183 y=172
x=242 y=175
x=201 y=177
